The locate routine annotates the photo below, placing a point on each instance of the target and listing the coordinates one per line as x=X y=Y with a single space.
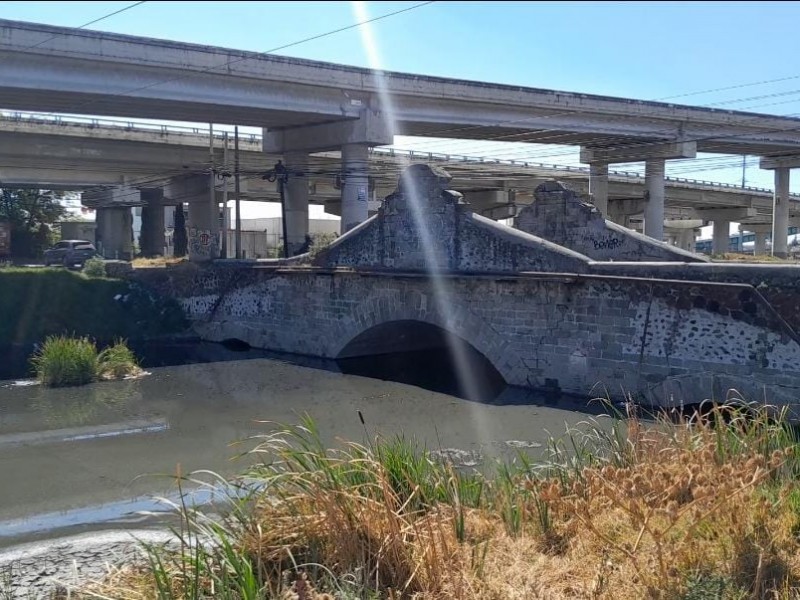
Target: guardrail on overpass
x=200 y=132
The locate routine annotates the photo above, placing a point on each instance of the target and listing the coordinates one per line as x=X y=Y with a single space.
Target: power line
x=265 y=52
x=233 y=61
x=92 y=22
x=240 y=59
x=730 y=87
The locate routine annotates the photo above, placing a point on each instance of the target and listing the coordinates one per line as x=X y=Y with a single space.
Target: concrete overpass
x=69 y=152
x=309 y=106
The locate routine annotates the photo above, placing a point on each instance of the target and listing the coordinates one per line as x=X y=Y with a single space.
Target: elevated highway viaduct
x=126 y=163
x=307 y=107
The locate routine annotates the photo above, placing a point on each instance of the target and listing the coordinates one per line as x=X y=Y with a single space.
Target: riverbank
x=56 y=568
x=36 y=303
x=684 y=510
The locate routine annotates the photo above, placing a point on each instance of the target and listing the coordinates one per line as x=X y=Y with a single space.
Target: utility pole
x=237 y=192
x=226 y=225
x=744 y=167
x=212 y=192
x=281 y=175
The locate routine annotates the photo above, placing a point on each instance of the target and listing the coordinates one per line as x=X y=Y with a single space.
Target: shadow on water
x=431 y=367
x=15 y=363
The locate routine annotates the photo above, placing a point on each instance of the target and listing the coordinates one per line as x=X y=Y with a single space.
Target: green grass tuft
x=64 y=361
x=116 y=362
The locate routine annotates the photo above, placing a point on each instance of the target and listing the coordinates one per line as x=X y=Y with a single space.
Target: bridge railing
x=254 y=138
x=101 y=122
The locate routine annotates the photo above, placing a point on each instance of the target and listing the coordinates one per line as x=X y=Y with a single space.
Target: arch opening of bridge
x=424 y=355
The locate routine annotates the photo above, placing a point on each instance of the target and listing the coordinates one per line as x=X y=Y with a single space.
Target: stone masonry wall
x=779 y=284
x=423 y=226
x=665 y=342
x=559 y=215
x=545 y=316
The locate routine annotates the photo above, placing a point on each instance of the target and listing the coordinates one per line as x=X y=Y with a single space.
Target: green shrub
x=116 y=362
x=63 y=361
x=94 y=267
x=319 y=242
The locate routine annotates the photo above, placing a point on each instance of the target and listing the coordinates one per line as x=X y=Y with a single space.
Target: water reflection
x=73 y=407
x=114 y=442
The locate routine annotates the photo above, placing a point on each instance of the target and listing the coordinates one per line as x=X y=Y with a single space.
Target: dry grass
x=160 y=261
x=704 y=509
x=737 y=257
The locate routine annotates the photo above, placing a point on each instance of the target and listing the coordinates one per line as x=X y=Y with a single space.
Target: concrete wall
x=425 y=227
x=560 y=215
x=663 y=341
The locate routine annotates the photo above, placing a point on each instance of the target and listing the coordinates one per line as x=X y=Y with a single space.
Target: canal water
x=92 y=457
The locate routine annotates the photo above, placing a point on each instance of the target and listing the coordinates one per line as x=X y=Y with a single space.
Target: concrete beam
x=791 y=161
x=486 y=199
x=371 y=128
x=639 y=151
x=626 y=207
x=683 y=224
x=725 y=214
x=116 y=196
x=755 y=228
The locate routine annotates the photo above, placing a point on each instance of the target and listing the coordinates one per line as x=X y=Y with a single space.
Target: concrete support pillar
x=296 y=193
x=780 y=213
x=201 y=231
x=202 y=223
x=760 y=244
x=685 y=240
x=355 y=191
x=721 y=237
x=654 y=198
x=615 y=213
x=598 y=186
x=151 y=238
x=114 y=232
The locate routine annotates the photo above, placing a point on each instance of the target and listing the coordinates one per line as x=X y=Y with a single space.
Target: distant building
x=78 y=230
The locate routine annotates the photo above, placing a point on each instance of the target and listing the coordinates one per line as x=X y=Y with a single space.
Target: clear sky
x=645 y=50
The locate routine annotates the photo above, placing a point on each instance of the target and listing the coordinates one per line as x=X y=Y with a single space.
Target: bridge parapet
x=562 y=216
x=424 y=226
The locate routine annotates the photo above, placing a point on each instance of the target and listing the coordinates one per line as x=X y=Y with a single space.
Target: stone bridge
x=546 y=316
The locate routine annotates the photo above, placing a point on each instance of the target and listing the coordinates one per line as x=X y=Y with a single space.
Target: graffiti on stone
x=606 y=243
x=202 y=242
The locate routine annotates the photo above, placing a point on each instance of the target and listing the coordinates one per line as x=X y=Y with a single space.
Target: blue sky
x=649 y=50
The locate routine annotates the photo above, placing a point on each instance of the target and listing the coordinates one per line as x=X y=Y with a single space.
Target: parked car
x=70 y=253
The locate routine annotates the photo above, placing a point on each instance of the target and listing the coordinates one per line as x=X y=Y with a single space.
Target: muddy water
x=91 y=457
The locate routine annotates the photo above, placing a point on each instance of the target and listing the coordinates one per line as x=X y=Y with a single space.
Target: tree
x=181 y=241
x=31 y=215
